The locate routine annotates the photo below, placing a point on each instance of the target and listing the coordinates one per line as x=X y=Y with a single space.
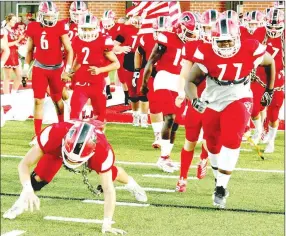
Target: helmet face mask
x=187 y=27
x=88 y=28
x=79 y=144
x=48 y=14
x=77 y=10
x=226 y=38
x=275 y=23
x=254 y=20
x=136 y=21
x=108 y=19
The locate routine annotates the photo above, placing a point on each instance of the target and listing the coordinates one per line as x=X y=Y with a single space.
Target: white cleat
x=270 y=147
x=33 y=142
x=265 y=137
x=144 y=121
x=256 y=137
x=167 y=165
x=17 y=209
x=138 y=192
x=136 y=120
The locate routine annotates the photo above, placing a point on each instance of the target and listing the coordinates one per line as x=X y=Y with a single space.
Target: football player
x=227 y=99
x=207 y=20
x=275 y=47
x=93 y=60
x=47 y=36
x=73 y=144
x=167 y=53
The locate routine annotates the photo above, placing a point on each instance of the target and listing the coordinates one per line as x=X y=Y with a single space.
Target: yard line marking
x=161 y=190
x=246 y=150
x=118 y=203
x=154 y=164
x=14 y=233
x=68 y=219
x=166 y=176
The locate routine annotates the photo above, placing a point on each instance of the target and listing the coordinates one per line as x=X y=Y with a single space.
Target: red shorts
x=13 y=59
x=274 y=107
x=193 y=123
x=42 y=78
x=84 y=91
x=226 y=127
x=257 y=91
x=154 y=108
x=49 y=165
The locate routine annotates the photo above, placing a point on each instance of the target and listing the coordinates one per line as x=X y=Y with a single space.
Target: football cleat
x=166 y=164
x=270 y=147
x=265 y=137
x=157 y=142
x=136 y=120
x=181 y=185
x=202 y=169
x=138 y=192
x=17 y=209
x=219 y=197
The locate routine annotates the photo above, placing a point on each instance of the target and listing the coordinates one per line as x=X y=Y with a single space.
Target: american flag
x=150 y=10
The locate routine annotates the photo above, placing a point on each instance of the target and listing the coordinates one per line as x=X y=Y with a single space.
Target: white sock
x=144 y=116
x=258 y=125
x=263 y=115
x=157 y=127
x=272 y=133
x=213 y=160
x=222 y=180
x=165 y=147
x=227 y=158
x=136 y=113
x=131 y=181
x=13 y=91
x=171 y=145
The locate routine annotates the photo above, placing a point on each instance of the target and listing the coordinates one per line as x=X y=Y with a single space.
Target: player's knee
x=56 y=97
x=36 y=182
x=134 y=99
x=39 y=101
x=169 y=121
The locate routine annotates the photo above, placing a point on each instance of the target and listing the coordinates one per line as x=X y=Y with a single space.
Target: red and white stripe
x=151 y=10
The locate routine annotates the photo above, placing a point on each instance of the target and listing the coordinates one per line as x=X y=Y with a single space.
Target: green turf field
x=255 y=205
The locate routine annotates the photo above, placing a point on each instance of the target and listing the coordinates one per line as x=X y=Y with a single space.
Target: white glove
x=106 y=228
x=199 y=105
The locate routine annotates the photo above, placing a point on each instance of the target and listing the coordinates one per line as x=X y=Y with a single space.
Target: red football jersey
x=50 y=141
x=92 y=54
x=48 y=42
x=259 y=34
x=233 y=68
x=147 y=42
x=71 y=27
x=129 y=33
x=171 y=59
x=112 y=32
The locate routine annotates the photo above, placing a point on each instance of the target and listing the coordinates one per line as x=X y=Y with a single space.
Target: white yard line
x=246 y=150
x=78 y=220
x=14 y=233
x=154 y=164
x=118 y=203
x=160 y=190
x=167 y=176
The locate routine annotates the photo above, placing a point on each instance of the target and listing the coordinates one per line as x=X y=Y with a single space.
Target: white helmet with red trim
x=88 y=27
x=207 y=21
x=280 y=5
x=254 y=20
x=79 y=144
x=136 y=21
x=230 y=14
x=275 y=23
x=226 y=38
x=186 y=27
x=48 y=14
x=108 y=19
x=77 y=9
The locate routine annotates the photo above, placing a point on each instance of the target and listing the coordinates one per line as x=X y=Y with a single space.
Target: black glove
x=267 y=97
x=136 y=75
x=24 y=81
x=199 y=105
x=144 y=89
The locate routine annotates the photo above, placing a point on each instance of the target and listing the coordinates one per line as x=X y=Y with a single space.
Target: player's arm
x=68 y=48
x=114 y=65
x=138 y=57
x=191 y=87
x=29 y=56
x=118 y=49
x=5 y=51
x=157 y=53
x=76 y=65
x=269 y=65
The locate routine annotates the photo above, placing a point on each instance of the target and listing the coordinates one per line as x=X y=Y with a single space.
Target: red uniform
x=193 y=119
x=228 y=93
x=259 y=34
x=86 y=85
x=112 y=32
x=167 y=79
x=48 y=68
x=13 y=60
x=50 y=141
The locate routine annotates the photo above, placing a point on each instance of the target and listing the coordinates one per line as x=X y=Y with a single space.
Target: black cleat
x=219 y=197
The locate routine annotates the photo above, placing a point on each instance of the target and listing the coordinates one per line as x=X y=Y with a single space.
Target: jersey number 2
x=223 y=69
x=86 y=51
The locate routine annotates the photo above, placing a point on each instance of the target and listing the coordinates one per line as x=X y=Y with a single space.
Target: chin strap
x=84 y=171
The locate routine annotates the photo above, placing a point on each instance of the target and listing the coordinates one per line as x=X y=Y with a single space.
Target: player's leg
x=98 y=102
x=272 y=115
x=121 y=72
x=78 y=100
x=17 y=79
x=233 y=121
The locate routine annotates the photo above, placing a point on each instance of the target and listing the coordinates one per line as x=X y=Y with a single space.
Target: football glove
x=267 y=97
x=199 y=105
x=136 y=75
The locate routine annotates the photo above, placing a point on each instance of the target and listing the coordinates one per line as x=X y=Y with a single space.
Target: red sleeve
x=108 y=43
x=31 y=29
x=63 y=28
x=190 y=48
x=162 y=39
